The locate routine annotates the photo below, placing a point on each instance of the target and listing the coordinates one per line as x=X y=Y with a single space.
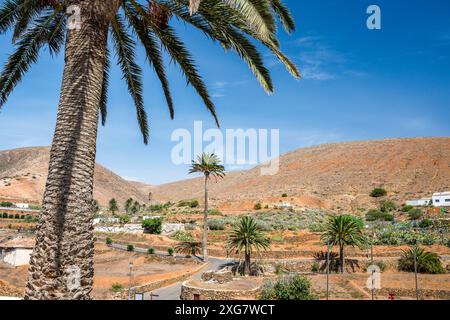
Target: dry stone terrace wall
x=188 y=292
x=424 y=294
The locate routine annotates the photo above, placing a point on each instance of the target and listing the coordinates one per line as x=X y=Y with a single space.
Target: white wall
x=441 y=200
x=17 y=257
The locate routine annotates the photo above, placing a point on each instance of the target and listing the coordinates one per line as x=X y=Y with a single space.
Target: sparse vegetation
x=407 y=208
x=151 y=250
x=257 y=206
x=415 y=214
x=130 y=247
x=387 y=206
x=109 y=240
x=182 y=236
x=378 y=192
x=284 y=195
x=171 y=251
x=189 y=248
x=426 y=223
x=295 y=287
x=216 y=224
x=6 y=204
x=427 y=262
x=188 y=203
x=124 y=219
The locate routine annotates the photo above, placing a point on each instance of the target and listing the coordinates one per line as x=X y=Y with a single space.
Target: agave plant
x=64 y=242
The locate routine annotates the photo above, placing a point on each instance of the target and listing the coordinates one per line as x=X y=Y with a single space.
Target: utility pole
x=130 y=266
x=328 y=269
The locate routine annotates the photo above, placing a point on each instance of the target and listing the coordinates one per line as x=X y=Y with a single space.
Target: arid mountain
x=335 y=176
x=23 y=173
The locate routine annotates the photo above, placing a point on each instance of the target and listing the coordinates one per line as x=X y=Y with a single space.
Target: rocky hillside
x=23 y=173
x=335 y=176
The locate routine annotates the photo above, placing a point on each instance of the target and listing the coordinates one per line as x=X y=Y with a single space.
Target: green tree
x=35 y=25
x=128 y=205
x=209 y=165
x=112 y=206
x=415 y=214
x=343 y=231
x=427 y=262
x=378 y=192
x=388 y=206
x=153 y=226
x=246 y=237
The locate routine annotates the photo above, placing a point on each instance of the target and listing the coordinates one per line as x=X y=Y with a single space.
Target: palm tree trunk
x=247 y=263
x=342 y=255
x=205 y=223
x=61 y=265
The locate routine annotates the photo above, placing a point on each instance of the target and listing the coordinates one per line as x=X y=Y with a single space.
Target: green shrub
x=216 y=224
x=117 y=287
x=22 y=216
x=407 y=208
x=170 y=251
x=6 y=204
x=387 y=206
x=214 y=212
x=30 y=218
x=124 y=219
x=426 y=223
x=193 y=204
x=17 y=216
x=284 y=195
x=315 y=267
x=153 y=226
x=11 y=216
x=277 y=238
x=130 y=247
x=378 y=192
x=295 y=287
x=182 y=236
x=109 y=240
x=257 y=206
x=378 y=215
x=415 y=214
x=427 y=262
x=151 y=250
x=5 y=215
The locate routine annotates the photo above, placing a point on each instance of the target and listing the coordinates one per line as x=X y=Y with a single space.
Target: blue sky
x=358 y=84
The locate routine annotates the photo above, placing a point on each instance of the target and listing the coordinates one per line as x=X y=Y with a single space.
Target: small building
x=17 y=252
x=419 y=202
x=441 y=199
x=22 y=205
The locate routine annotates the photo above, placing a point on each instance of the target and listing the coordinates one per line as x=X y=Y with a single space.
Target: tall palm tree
x=246 y=236
x=344 y=230
x=64 y=246
x=209 y=165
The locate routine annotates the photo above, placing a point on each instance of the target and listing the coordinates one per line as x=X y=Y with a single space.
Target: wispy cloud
x=220 y=88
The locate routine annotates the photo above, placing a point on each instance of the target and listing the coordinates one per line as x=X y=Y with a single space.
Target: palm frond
x=176 y=49
x=46 y=30
x=152 y=51
x=284 y=15
x=125 y=47
x=105 y=85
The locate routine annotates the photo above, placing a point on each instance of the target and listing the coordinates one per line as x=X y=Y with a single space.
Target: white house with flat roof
x=441 y=199
x=419 y=202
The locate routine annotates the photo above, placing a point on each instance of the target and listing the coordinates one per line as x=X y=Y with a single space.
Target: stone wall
x=188 y=292
x=424 y=294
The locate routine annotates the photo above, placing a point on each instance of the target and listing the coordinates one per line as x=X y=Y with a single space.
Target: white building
x=441 y=199
x=22 y=205
x=17 y=252
x=419 y=202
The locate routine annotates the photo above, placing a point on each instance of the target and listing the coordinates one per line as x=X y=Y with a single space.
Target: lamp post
x=130 y=266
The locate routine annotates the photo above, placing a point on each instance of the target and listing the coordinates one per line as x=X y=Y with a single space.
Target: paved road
x=173 y=292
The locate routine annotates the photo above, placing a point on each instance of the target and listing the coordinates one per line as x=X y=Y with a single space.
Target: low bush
x=387 y=206
x=124 y=219
x=182 y=236
x=378 y=192
x=415 y=214
x=378 y=215
x=216 y=224
x=426 y=223
x=109 y=240
x=315 y=267
x=277 y=238
x=257 y=206
x=427 y=262
x=4 y=215
x=17 y=216
x=284 y=195
x=117 y=287
x=130 y=247
x=170 y=251
x=407 y=208
x=152 y=226
x=151 y=250
x=214 y=212
x=30 y=218
x=6 y=204
x=295 y=287
x=11 y=216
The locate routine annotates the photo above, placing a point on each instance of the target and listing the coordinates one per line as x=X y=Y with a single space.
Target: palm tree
x=344 y=230
x=189 y=248
x=209 y=165
x=245 y=237
x=64 y=241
